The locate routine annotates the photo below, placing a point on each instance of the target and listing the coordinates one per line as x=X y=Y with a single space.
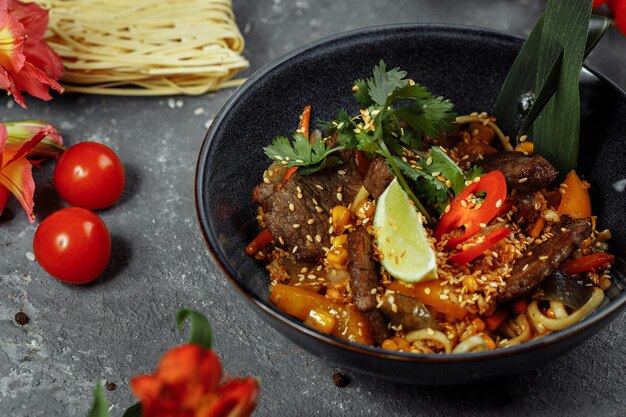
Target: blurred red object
x=27 y=63
x=188 y=383
x=618 y=9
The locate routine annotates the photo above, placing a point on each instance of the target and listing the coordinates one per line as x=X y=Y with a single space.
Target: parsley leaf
x=300 y=153
x=384 y=82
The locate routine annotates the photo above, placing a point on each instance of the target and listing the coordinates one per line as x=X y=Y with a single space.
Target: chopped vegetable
x=575 y=201
x=297 y=302
x=467 y=220
x=587 y=263
x=290 y=171
x=303 y=126
x=496 y=319
x=262 y=240
x=484 y=243
x=430 y=293
x=565 y=289
x=537 y=228
x=520 y=306
x=321 y=320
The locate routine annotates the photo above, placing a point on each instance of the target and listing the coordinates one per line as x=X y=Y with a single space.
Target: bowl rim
x=211 y=240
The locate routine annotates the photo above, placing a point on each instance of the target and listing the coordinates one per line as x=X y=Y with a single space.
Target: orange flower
x=27 y=63
x=16 y=174
x=187 y=383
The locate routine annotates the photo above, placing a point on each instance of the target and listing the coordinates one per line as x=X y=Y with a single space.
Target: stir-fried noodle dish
x=407 y=227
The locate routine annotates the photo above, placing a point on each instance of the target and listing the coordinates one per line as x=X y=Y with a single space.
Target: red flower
x=187 y=383
x=618 y=8
x=19 y=140
x=27 y=63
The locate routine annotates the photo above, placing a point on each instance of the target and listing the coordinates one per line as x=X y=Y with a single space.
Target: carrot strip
x=289 y=173
x=303 y=127
x=262 y=240
x=537 y=228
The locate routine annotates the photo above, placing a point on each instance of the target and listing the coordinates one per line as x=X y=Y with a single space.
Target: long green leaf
x=201 y=333
x=522 y=78
x=99 y=407
x=556 y=130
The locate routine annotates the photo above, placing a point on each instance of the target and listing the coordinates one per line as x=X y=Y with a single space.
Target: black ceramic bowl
x=464 y=64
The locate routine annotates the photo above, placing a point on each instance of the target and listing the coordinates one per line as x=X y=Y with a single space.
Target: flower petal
x=27 y=146
x=33 y=17
x=22 y=131
x=35 y=82
x=4 y=197
x=12 y=36
x=17 y=177
x=236 y=398
x=42 y=56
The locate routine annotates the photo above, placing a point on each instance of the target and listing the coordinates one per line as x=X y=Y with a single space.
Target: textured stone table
x=120 y=325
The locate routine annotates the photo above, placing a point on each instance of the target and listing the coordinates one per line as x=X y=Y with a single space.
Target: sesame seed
x=521 y=180
x=309 y=238
x=525 y=267
x=284 y=162
x=341 y=172
x=266 y=180
x=300 y=195
x=310 y=221
x=281 y=240
x=295 y=248
x=394 y=308
x=319 y=187
x=304 y=269
x=311 y=276
x=298 y=189
x=318 y=238
x=315 y=202
x=278 y=157
x=543 y=258
x=373 y=291
x=319 y=209
x=339 y=196
x=429 y=160
x=499 y=203
x=436 y=174
x=426 y=290
x=292 y=207
x=296 y=225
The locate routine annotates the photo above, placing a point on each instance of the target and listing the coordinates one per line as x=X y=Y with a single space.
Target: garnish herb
x=544 y=81
x=395 y=113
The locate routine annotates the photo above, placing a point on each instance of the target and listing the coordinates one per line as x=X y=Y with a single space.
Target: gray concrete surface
x=120 y=325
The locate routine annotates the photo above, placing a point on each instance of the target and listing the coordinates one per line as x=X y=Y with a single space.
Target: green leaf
x=99 y=407
x=521 y=81
x=384 y=83
x=133 y=411
x=201 y=333
x=300 y=153
x=429 y=188
x=362 y=94
x=431 y=117
x=556 y=130
x=448 y=168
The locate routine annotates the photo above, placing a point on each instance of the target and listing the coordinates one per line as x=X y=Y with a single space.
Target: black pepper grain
x=111 y=386
x=21 y=318
x=340 y=380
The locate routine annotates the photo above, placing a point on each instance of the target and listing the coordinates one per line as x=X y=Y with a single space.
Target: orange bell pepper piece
x=429 y=293
x=575 y=201
x=297 y=302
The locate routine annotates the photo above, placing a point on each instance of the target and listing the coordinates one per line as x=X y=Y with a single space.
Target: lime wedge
x=402 y=239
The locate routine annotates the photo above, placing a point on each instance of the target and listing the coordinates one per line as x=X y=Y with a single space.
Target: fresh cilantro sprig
x=431 y=172
x=309 y=157
x=395 y=114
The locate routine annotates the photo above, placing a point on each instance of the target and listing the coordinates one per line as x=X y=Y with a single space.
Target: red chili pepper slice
x=587 y=263
x=262 y=240
x=471 y=220
x=475 y=250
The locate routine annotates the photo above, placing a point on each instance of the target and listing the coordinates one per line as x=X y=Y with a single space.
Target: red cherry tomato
x=73 y=245
x=89 y=175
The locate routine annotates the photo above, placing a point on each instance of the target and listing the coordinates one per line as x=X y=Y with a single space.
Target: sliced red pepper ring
x=587 y=263
x=262 y=240
x=485 y=243
x=470 y=220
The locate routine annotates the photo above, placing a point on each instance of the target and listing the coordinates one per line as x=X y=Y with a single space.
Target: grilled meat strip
x=544 y=258
x=378 y=177
x=363 y=278
x=296 y=212
x=524 y=173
